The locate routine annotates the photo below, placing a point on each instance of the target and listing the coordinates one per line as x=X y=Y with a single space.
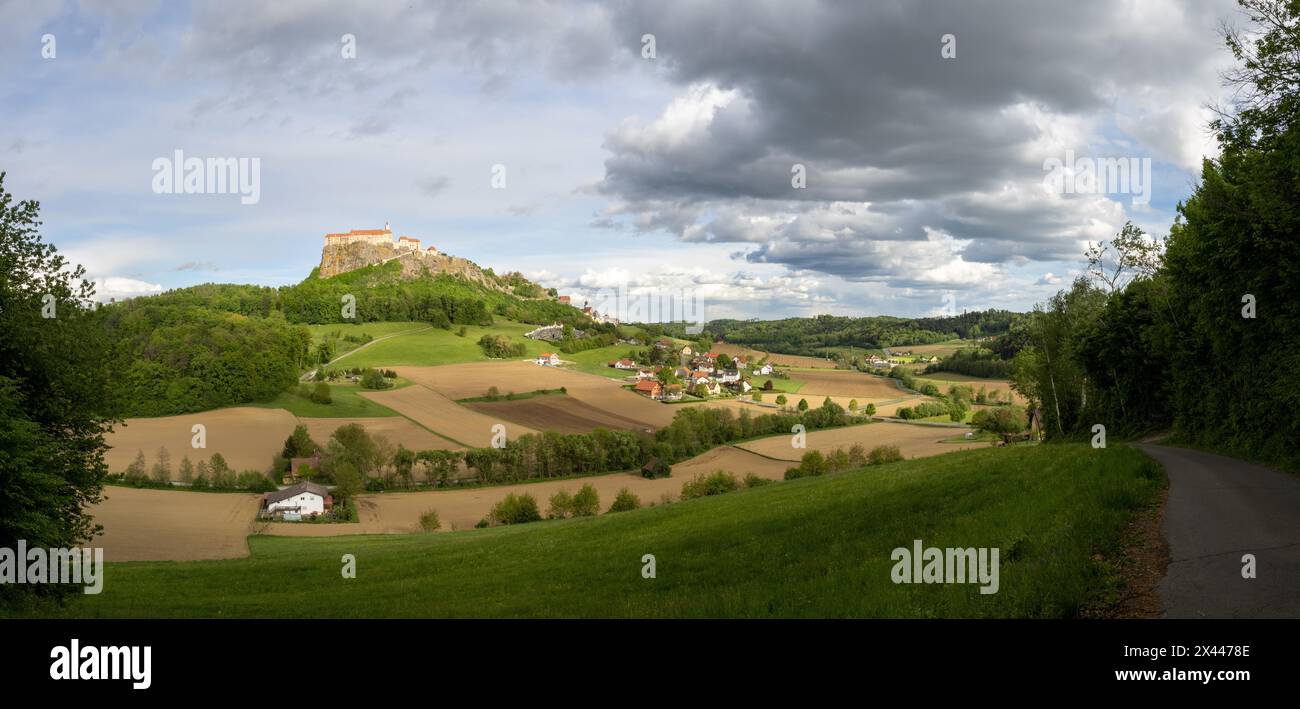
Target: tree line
x=1200 y=332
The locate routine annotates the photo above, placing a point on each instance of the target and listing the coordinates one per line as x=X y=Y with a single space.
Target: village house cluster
x=699 y=374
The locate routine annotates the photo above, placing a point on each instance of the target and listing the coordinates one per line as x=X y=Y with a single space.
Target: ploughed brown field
x=174 y=525
x=182 y=525
x=844 y=383
x=943 y=380
x=913 y=440
x=396 y=513
x=936 y=349
x=247 y=437
x=396 y=429
x=439 y=413
x=555 y=413
x=464 y=381
x=773 y=357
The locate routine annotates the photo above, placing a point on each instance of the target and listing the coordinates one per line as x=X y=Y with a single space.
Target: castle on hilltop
x=377 y=237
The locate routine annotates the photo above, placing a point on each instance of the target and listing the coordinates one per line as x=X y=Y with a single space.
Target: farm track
x=312 y=373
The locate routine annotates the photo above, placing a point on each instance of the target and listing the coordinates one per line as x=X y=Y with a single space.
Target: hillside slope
x=817 y=547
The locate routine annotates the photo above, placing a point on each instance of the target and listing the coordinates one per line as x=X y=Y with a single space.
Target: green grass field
x=374 y=329
x=347 y=402
x=438 y=346
x=597 y=361
x=788 y=386
x=815 y=547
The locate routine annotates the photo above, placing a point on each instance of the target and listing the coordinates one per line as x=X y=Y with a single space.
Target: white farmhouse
x=307 y=499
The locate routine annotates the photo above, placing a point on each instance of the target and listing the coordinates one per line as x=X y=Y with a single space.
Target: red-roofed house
x=549 y=359
x=649 y=387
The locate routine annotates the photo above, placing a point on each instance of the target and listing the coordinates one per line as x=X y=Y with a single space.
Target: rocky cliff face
x=336 y=259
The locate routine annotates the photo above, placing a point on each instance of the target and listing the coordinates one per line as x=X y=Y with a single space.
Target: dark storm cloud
x=859 y=94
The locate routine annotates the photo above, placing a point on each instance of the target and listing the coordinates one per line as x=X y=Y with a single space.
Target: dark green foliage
x=811 y=464
x=975 y=363
x=586 y=503
x=884 y=454
x=925 y=409
x=175 y=358
x=696 y=430
x=374 y=379
x=1000 y=420
x=500 y=347
x=812 y=336
x=552 y=454
x=53 y=394
x=1174 y=347
x=702 y=485
x=625 y=501
x=515 y=509
x=299 y=444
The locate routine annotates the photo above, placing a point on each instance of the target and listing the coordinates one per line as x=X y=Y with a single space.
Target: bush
x=884 y=454
x=499 y=346
x=321 y=394
x=561 y=505
x=625 y=501
x=515 y=509
x=704 y=486
x=374 y=379
x=429 y=521
x=812 y=464
x=752 y=481
x=1000 y=421
x=586 y=503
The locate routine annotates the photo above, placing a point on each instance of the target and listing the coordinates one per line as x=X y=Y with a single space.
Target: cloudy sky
x=920 y=131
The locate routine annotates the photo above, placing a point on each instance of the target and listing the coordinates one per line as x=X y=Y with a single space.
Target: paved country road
x=1219 y=509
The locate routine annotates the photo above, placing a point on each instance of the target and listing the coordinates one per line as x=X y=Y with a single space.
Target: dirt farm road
x=355 y=350
x=1219 y=510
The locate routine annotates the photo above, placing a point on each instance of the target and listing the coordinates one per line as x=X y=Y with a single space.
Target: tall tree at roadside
x=52 y=388
x=1266 y=81
x=1205 y=339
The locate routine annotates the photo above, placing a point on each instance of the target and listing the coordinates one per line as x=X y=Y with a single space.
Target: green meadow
x=345 y=402
x=437 y=346
x=814 y=547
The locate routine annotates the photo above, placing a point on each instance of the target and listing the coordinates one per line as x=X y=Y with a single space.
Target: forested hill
x=381 y=293
x=811 y=336
x=214 y=345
